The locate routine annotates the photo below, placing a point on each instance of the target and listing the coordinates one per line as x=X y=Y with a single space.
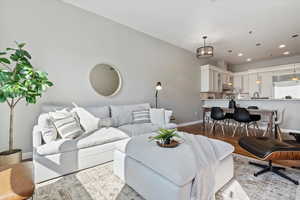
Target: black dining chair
x=218 y=116
x=255 y=118
x=242 y=116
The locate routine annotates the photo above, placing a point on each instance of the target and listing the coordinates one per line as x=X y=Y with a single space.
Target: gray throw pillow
x=66 y=123
x=141 y=116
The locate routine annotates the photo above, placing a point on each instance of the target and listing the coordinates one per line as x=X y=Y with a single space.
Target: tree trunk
x=11 y=128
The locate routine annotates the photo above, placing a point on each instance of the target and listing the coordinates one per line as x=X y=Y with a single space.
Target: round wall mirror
x=105 y=79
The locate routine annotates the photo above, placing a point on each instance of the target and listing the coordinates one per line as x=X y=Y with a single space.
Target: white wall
x=68 y=42
x=265 y=63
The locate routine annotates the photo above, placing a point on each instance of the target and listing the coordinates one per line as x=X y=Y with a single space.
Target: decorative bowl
x=172 y=144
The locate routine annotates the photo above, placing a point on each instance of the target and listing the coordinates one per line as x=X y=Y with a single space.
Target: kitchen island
x=291 y=118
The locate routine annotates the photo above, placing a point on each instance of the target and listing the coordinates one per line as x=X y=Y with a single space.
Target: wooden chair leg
x=222 y=126
x=279 y=133
x=266 y=131
x=236 y=127
x=247 y=131
x=212 y=127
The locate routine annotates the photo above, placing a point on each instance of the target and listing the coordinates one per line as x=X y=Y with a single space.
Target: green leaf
x=4 y=60
x=14 y=57
x=21 y=45
x=50 y=84
x=2 y=53
x=27 y=54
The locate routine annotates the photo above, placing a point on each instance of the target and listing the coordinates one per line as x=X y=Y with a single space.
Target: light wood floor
x=198 y=129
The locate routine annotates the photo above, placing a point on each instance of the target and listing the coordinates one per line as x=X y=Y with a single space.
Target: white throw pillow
x=49 y=134
x=66 y=123
x=105 y=122
x=168 y=115
x=157 y=116
x=88 y=121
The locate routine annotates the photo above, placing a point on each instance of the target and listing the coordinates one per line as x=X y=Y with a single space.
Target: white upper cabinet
x=238 y=82
x=207 y=80
x=213 y=78
x=267 y=84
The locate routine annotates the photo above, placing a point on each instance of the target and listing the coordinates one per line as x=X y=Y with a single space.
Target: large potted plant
x=19 y=80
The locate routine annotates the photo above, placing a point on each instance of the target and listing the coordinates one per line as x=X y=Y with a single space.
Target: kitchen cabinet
x=245 y=83
x=266 y=84
x=253 y=86
x=241 y=83
x=207 y=80
x=238 y=82
x=213 y=78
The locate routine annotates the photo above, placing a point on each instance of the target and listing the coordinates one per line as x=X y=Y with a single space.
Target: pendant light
x=205 y=51
x=258 y=81
x=295 y=78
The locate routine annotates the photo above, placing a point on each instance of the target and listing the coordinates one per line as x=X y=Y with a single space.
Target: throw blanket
x=194 y=160
x=207 y=160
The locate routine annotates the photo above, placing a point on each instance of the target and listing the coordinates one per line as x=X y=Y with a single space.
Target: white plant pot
x=8 y=158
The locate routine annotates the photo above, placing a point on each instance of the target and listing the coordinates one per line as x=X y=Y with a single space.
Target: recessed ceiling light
x=249 y=60
x=281 y=46
x=240 y=54
x=286 y=53
x=258 y=44
x=295 y=35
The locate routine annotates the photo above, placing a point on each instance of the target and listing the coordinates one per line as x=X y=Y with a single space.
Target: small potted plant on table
x=18 y=81
x=165 y=138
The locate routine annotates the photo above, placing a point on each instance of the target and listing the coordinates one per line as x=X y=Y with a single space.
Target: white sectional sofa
x=65 y=156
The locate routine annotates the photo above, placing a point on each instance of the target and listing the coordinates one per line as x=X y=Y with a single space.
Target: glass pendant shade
x=205 y=51
x=295 y=78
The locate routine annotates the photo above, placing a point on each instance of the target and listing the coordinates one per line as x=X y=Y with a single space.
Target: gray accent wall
x=68 y=42
x=265 y=63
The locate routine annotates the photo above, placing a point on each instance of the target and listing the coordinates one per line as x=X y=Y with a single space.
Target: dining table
x=270 y=114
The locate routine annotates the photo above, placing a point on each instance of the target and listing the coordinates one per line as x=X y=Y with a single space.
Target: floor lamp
x=157 y=88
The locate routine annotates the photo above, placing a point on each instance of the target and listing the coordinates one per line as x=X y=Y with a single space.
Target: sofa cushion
x=99 y=137
x=97 y=111
x=139 y=129
x=122 y=114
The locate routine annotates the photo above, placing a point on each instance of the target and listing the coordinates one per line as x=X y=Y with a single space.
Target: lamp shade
x=205 y=51
x=158 y=86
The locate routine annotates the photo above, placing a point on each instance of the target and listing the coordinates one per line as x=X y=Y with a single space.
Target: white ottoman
x=153 y=186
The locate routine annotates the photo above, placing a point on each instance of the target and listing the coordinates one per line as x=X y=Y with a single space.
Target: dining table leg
x=275 y=126
x=203 y=117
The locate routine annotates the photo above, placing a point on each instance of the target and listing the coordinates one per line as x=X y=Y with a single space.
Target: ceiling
x=226 y=23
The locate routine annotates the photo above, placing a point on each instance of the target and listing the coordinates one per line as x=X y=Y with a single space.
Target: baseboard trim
x=190 y=123
x=26 y=155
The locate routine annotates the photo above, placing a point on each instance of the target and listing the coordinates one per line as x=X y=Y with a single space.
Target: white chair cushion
x=99 y=137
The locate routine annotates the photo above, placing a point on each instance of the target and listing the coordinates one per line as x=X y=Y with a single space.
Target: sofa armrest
x=36 y=136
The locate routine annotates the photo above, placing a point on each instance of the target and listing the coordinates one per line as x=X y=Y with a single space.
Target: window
x=287 y=88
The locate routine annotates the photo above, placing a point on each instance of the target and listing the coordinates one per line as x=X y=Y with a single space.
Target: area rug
x=99 y=183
